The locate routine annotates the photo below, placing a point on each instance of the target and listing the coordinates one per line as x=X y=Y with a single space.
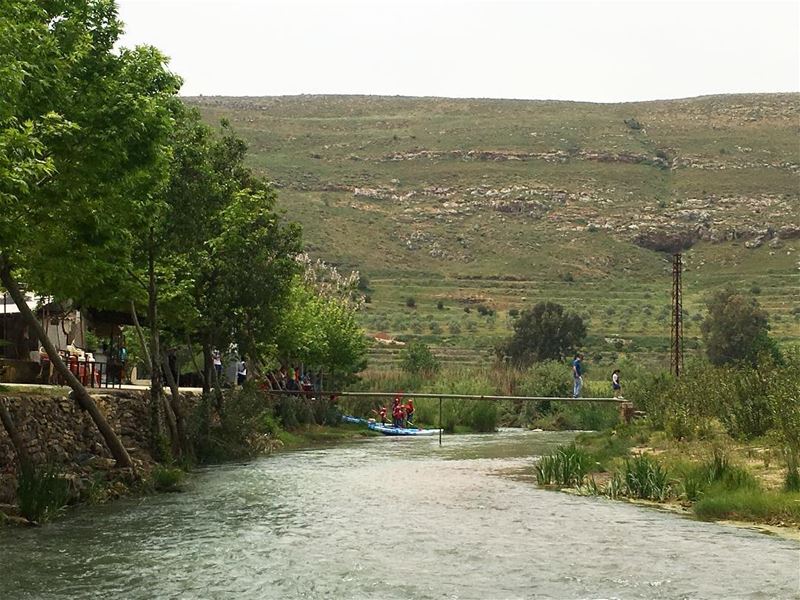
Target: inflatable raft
x=389 y=430
x=356 y=420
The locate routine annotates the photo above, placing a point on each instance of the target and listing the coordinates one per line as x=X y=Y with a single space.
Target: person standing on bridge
x=615 y=384
x=577 y=375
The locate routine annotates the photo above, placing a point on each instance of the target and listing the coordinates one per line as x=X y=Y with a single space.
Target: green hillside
x=501 y=203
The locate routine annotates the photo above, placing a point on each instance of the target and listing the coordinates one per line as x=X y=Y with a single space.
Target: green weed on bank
x=42 y=492
x=565 y=466
x=749 y=505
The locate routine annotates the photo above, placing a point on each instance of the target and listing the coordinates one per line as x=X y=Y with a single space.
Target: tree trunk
x=208 y=368
x=139 y=332
x=195 y=364
x=81 y=395
x=175 y=416
x=156 y=386
x=13 y=433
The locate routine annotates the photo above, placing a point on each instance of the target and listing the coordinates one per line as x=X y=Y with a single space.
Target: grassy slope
x=507 y=228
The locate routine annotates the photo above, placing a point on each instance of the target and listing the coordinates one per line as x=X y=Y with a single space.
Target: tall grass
x=749 y=505
x=646 y=478
x=42 y=492
x=714 y=475
x=565 y=466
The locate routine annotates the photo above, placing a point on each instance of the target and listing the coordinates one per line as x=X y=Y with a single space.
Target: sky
x=596 y=51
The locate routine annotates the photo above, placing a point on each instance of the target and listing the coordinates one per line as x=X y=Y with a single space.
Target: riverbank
x=714 y=479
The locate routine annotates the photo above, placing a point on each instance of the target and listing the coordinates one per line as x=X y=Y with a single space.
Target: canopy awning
x=34 y=302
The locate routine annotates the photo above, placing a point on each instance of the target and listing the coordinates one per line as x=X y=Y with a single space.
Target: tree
x=418 y=359
x=83 y=131
x=544 y=332
x=736 y=329
x=320 y=326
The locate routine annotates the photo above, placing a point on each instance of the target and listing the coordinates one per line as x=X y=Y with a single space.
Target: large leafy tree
x=736 y=329
x=544 y=332
x=320 y=325
x=84 y=131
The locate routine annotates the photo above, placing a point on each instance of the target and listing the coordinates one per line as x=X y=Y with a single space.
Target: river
x=390 y=518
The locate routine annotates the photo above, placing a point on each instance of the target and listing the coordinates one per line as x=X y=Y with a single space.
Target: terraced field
x=484 y=207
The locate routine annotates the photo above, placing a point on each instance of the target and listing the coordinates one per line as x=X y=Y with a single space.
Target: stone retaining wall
x=56 y=429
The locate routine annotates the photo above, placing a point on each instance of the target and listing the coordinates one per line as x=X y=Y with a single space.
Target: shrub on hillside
x=417 y=358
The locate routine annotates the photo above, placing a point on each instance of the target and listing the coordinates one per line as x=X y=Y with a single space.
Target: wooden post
x=440 y=421
x=625 y=412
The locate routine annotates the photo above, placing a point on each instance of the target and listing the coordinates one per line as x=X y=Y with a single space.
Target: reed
x=42 y=492
x=646 y=478
x=565 y=466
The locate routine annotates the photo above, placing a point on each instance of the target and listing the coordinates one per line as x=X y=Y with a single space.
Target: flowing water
x=390 y=518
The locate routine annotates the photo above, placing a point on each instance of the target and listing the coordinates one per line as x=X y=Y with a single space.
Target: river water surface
x=390 y=518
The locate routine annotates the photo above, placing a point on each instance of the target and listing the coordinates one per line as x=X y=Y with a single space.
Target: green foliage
x=749 y=504
x=411 y=302
x=715 y=474
x=736 y=329
x=565 y=466
x=167 y=479
x=417 y=358
x=544 y=332
x=783 y=394
x=42 y=492
x=245 y=428
x=483 y=417
x=644 y=477
x=792 y=480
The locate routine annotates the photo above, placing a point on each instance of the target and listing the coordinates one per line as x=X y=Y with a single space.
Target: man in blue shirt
x=577 y=376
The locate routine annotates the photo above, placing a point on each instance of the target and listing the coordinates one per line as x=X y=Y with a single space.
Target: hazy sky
x=598 y=51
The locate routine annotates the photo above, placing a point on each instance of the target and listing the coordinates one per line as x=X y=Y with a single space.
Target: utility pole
x=676 y=333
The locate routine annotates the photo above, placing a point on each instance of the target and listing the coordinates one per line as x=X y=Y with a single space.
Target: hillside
x=503 y=203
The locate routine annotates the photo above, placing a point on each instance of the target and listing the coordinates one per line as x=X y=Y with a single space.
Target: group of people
x=402 y=414
x=577 y=378
x=293 y=379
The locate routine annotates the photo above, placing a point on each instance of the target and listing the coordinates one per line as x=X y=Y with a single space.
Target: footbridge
x=626 y=411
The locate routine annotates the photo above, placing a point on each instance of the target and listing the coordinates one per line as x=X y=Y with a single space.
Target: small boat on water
x=389 y=430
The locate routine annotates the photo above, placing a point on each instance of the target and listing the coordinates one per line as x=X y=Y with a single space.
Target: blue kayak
x=389 y=430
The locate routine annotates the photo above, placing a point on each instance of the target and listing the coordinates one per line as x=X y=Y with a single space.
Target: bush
x=483 y=416
x=440 y=305
x=42 y=492
x=411 y=302
x=243 y=429
x=167 y=479
x=417 y=358
x=484 y=310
